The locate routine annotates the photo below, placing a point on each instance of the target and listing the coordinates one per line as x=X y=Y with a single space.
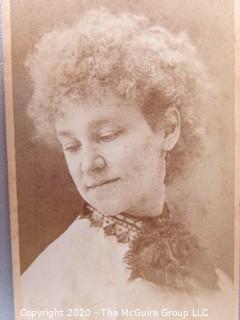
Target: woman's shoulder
x=54 y=265
x=65 y=251
x=81 y=260
x=60 y=247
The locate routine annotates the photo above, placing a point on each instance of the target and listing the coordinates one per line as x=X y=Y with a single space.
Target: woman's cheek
x=115 y=153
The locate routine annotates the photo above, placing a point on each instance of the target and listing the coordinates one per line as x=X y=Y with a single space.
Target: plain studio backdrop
x=47 y=199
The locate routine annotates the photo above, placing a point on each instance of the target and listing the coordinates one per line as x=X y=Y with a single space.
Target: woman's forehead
x=94 y=114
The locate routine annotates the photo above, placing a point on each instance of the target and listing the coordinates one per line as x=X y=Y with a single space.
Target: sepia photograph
x=122 y=144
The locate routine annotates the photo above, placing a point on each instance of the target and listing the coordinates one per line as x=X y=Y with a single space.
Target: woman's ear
x=171 y=128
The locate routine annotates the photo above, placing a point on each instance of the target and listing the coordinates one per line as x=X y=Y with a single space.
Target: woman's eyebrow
x=92 y=125
x=64 y=133
x=102 y=122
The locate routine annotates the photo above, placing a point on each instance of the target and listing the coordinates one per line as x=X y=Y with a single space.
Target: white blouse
x=82 y=272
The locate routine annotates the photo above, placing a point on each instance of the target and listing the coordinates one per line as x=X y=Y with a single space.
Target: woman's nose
x=92 y=161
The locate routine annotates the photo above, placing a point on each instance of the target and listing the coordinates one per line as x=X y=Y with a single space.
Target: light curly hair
x=126 y=56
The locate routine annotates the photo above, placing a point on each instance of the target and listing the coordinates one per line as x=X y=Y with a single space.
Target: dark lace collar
x=161 y=250
x=124 y=227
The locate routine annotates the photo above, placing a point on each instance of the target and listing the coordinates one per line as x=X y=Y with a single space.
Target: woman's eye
x=72 y=147
x=108 y=137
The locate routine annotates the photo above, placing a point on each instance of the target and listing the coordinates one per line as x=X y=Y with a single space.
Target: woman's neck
x=151 y=205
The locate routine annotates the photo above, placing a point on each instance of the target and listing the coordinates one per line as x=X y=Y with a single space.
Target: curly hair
x=126 y=56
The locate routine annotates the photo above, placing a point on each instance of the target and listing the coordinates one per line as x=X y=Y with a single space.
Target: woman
x=124 y=99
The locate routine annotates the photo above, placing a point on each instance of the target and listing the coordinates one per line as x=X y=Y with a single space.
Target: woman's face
x=115 y=159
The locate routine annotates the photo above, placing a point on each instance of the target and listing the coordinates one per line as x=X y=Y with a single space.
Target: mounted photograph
x=123 y=140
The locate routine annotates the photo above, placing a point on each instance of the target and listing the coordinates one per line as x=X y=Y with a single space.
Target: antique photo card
x=123 y=132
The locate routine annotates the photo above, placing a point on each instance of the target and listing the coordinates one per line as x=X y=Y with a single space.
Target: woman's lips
x=101 y=183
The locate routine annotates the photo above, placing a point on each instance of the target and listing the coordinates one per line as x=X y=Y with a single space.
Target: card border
x=10 y=137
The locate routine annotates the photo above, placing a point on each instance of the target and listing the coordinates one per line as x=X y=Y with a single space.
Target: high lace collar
x=161 y=250
x=123 y=226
